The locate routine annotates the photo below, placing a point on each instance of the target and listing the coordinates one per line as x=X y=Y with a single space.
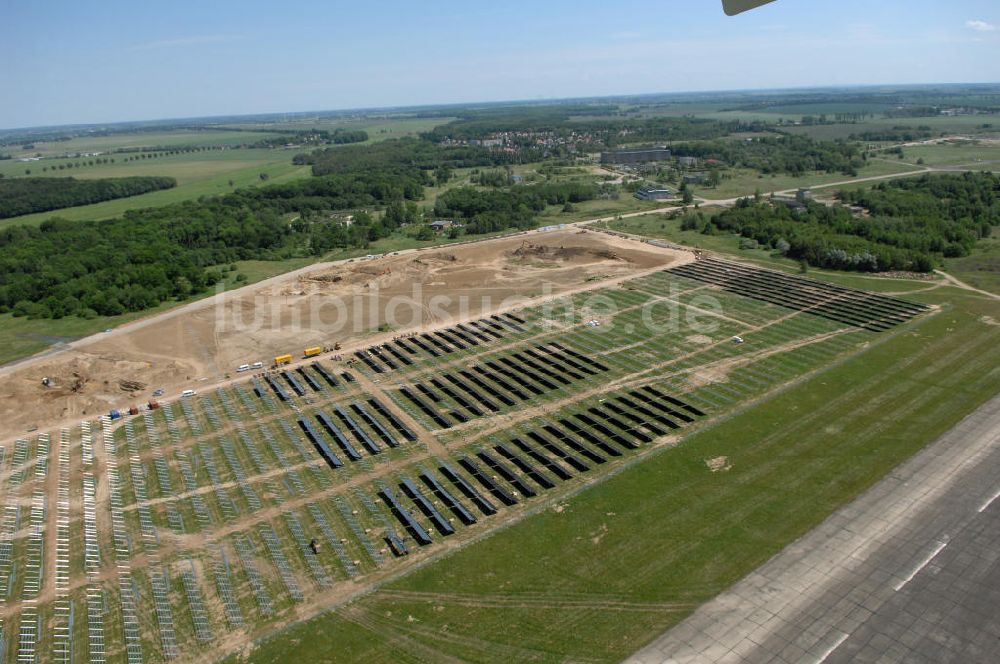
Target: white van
x=188 y=393
x=257 y=365
x=242 y=368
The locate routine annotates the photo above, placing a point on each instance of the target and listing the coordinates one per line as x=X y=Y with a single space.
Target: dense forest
x=940 y=214
x=404 y=154
x=28 y=195
x=792 y=154
x=912 y=224
x=896 y=134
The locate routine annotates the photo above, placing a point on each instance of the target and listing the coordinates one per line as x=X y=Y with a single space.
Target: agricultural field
x=173 y=138
x=979 y=155
x=197 y=173
x=965 y=125
x=583 y=425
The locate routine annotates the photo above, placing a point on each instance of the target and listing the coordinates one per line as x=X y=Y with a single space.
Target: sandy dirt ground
x=345 y=303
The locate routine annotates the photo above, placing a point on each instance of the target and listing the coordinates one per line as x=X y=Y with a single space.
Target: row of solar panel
x=556 y=450
x=359 y=434
x=311 y=380
x=871 y=311
x=508 y=379
x=458 y=337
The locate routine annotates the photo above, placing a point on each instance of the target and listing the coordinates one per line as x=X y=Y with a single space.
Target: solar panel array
x=62 y=634
x=845 y=305
x=355 y=470
x=196 y=604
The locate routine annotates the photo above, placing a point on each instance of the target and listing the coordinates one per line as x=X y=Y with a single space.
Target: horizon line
x=498 y=102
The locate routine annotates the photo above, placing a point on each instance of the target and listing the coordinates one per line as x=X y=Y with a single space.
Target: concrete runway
x=908 y=572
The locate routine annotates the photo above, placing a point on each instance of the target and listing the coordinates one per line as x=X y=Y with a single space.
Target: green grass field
x=629 y=557
x=981 y=269
x=744 y=182
x=970 y=154
x=197 y=173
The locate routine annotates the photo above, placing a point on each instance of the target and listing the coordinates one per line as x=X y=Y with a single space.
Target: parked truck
x=282 y=360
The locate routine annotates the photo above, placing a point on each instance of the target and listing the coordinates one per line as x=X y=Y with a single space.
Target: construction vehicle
x=282 y=360
x=312 y=352
x=336 y=346
x=314 y=545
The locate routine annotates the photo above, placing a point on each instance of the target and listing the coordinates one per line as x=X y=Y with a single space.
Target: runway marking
x=989 y=502
x=933 y=554
x=829 y=651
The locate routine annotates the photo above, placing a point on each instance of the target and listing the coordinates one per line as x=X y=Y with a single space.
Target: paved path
x=908 y=572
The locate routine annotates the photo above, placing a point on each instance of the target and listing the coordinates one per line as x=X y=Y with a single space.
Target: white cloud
x=980 y=26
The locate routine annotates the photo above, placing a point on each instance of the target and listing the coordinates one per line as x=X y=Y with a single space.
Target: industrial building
x=654 y=194
x=635 y=156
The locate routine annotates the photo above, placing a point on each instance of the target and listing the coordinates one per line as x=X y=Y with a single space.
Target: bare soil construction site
x=322 y=305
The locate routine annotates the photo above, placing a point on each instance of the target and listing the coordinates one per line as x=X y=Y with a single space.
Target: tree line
x=896 y=134
x=28 y=195
x=314 y=137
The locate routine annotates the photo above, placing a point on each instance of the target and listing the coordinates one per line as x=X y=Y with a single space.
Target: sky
x=73 y=62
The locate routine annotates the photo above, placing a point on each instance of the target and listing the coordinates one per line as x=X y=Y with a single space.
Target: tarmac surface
x=908 y=572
